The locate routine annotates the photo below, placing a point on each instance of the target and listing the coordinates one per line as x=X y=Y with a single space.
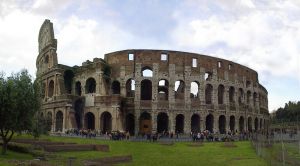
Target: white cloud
x=264 y=40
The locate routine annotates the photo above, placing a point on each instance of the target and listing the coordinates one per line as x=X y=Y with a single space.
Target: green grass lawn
x=146 y=153
x=6 y=160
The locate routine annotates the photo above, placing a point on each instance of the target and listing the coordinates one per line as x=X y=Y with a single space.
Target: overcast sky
x=263 y=35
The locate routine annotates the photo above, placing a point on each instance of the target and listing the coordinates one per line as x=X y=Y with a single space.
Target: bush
x=21 y=148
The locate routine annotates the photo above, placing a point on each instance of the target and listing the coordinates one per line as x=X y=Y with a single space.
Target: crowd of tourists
x=88 y=133
x=200 y=136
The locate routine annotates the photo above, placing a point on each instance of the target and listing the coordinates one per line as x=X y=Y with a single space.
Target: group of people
x=195 y=136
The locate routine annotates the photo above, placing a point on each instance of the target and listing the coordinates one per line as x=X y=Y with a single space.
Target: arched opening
x=106 y=122
x=162 y=122
x=90 y=85
x=232 y=123
x=221 y=94
x=248 y=97
x=231 y=94
x=147 y=71
x=254 y=99
x=241 y=124
x=89 y=121
x=51 y=88
x=68 y=80
x=146 y=90
x=130 y=123
x=115 y=87
x=222 y=124
x=49 y=121
x=179 y=89
x=179 y=127
x=208 y=76
x=195 y=123
x=209 y=122
x=78 y=107
x=249 y=124
x=241 y=96
x=59 y=121
x=78 y=88
x=163 y=90
x=194 y=90
x=256 y=124
x=260 y=124
x=130 y=88
x=208 y=94
x=145 y=123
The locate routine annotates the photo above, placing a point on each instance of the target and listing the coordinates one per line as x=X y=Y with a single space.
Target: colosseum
x=143 y=91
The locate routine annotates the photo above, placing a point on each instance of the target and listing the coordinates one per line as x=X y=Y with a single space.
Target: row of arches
x=162 y=120
x=179 y=89
x=89 y=121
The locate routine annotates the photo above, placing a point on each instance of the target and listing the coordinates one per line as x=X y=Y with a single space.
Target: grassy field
x=146 y=153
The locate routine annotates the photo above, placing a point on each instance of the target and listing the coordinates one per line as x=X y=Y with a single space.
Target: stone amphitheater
x=143 y=91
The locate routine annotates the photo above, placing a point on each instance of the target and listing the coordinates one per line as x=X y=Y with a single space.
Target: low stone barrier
x=40 y=142
x=109 y=160
x=82 y=147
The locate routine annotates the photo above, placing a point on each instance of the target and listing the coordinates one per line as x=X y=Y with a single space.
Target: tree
x=19 y=101
x=290 y=113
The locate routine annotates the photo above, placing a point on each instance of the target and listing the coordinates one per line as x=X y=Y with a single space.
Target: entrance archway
x=145 y=123
x=106 y=122
x=232 y=123
x=162 y=122
x=130 y=123
x=222 y=124
x=195 y=123
x=249 y=124
x=241 y=124
x=59 y=121
x=256 y=124
x=209 y=122
x=179 y=127
x=89 y=121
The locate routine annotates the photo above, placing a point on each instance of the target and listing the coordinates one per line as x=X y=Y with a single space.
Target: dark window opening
x=78 y=88
x=146 y=90
x=51 y=89
x=68 y=80
x=221 y=94
x=208 y=94
x=90 y=86
x=231 y=94
x=115 y=87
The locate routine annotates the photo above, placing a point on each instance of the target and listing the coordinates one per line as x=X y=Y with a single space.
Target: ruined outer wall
x=179 y=67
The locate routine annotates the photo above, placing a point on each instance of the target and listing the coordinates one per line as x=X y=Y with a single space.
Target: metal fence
x=281 y=147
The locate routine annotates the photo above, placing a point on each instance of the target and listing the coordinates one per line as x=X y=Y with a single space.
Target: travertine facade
x=145 y=91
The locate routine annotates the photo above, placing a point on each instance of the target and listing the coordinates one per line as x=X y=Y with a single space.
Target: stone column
x=172 y=122
x=154 y=121
x=216 y=123
x=187 y=123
